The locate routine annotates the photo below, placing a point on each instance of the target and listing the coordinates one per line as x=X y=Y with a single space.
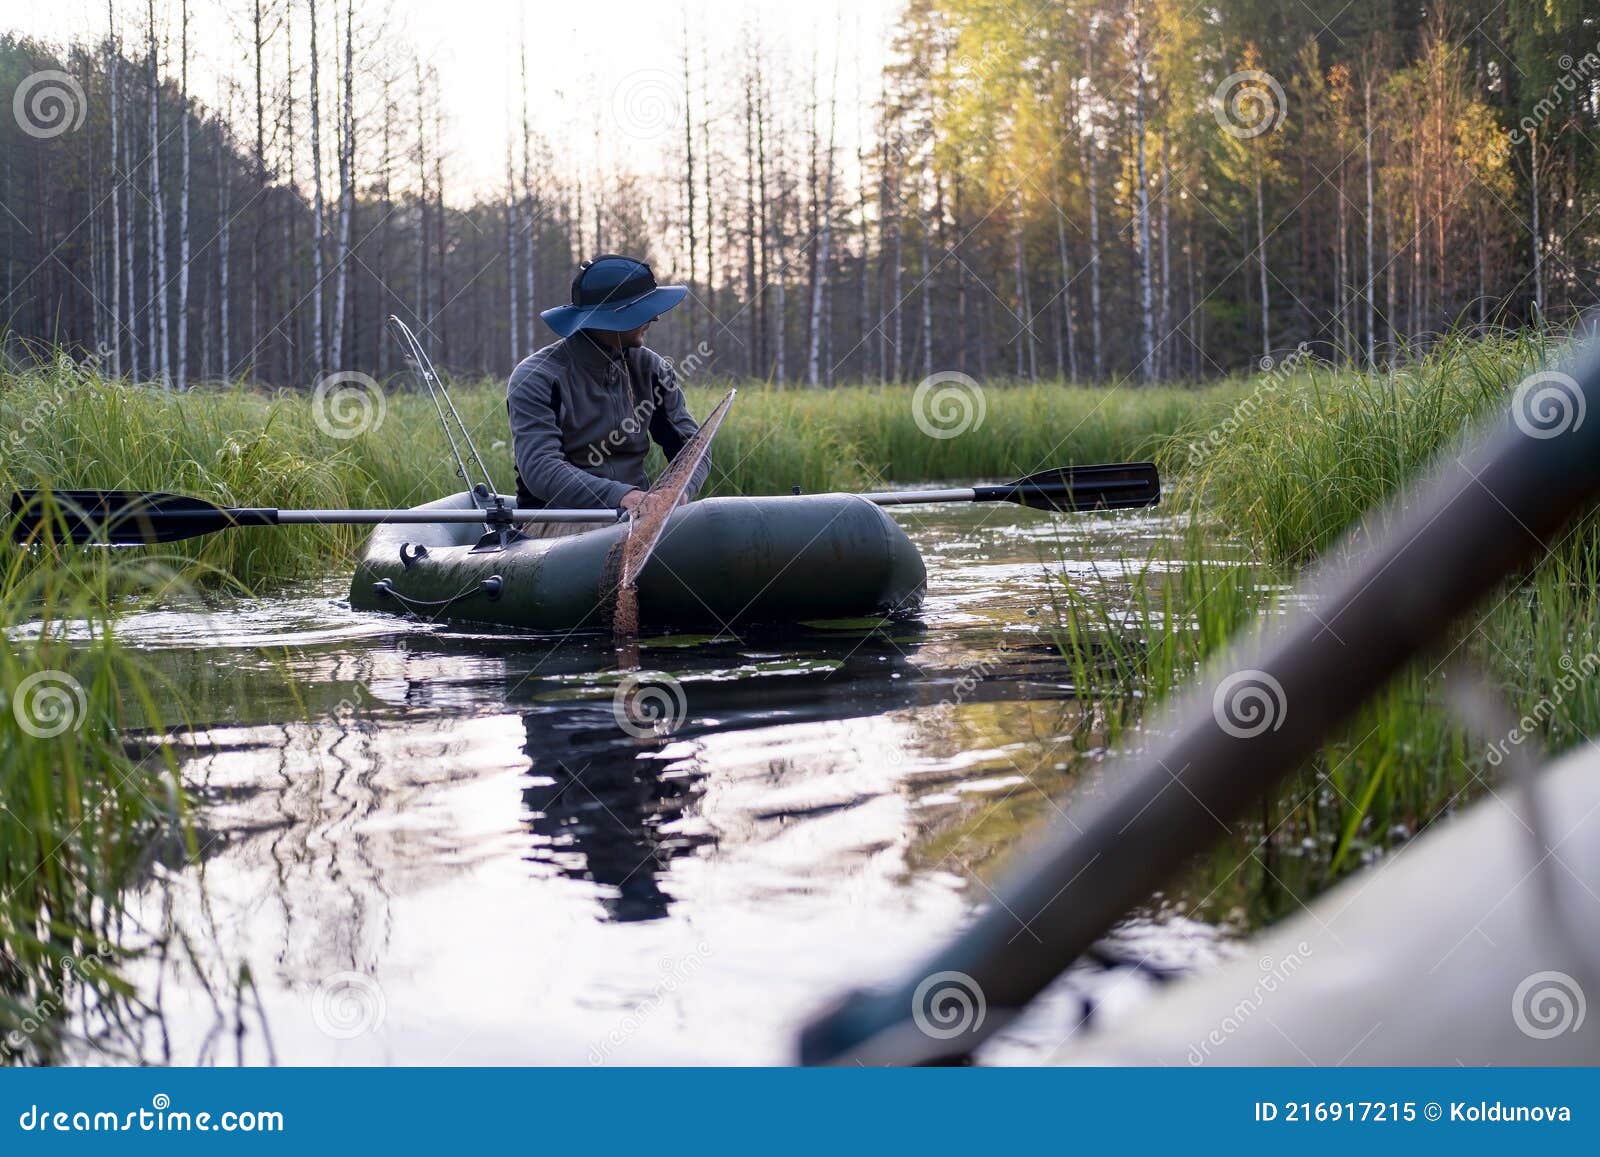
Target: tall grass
x=84 y=803
x=1322 y=446
x=67 y=427
x=1317 y=451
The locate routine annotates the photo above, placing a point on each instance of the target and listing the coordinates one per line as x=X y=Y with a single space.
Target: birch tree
x=158 y=213
x=183 y=204
x=347 y=192
x=318 y=345
x=113 y=87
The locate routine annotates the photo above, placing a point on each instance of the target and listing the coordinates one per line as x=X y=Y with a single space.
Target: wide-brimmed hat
x=613 y=292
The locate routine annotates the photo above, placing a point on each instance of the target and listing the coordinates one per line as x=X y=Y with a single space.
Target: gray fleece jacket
x=582 y=417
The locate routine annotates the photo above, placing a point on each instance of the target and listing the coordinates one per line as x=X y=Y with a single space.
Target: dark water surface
x=445 y=847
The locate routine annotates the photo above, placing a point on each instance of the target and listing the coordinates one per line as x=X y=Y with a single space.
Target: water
x=448 y=849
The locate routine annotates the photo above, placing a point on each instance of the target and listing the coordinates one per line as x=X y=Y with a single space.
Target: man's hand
x=632 y=499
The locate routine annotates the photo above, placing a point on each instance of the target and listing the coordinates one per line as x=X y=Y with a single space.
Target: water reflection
x=608 y=821
x=458 y=816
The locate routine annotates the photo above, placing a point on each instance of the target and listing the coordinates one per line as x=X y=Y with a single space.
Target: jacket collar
x=594 y=357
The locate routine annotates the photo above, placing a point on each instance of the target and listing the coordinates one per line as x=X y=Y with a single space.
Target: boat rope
x=490 y=586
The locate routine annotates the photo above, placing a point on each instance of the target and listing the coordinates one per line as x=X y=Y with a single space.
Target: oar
x=1065 y=488
x=619 y=581
x=138 y=518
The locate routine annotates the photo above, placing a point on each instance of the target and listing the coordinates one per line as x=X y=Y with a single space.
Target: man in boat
x=584 y=409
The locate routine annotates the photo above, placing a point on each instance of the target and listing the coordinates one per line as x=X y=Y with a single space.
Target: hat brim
x=567 y=320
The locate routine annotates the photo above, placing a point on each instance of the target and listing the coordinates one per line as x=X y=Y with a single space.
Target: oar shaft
x=908 y=497
x=332 y=517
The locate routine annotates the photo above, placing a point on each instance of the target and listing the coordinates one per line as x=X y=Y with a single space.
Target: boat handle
x=491 y=587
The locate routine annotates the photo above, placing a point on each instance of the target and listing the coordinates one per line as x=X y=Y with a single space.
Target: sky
x=612 y=65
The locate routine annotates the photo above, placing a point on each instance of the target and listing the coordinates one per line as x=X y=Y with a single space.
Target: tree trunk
x=1341 y=272
x=224 y=213
x=1069 y=370
x=1146 y=320
x=441 y=222
x=1391 y=288
x=705 y=153
x=1164 y=344
x=422 y=306
x=1367 y=129
x=927 y=298
x=1533 y=220
x=530 y=224
x=1261 y=261
x=347 y=182
x=752 y=353
x=128 y=244
x=763 y=226
x=510 y=209
x=292 y=343
x=688 y=170
x=113 y=85
x=819 y=287
x=183 y=208
x=1092 y=167
x=260 y=42
x=158 y=212
x=318 y=344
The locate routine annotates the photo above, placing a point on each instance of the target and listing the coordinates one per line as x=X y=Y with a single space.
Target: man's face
x=630 y=339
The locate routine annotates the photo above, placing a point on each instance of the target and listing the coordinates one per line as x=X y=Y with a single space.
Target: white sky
x=611 y=65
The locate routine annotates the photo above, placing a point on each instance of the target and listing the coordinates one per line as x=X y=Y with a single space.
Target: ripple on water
x=457 y=814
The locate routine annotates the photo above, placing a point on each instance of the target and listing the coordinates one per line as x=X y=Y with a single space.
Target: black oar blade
x=112 y=517
x=1078 y=488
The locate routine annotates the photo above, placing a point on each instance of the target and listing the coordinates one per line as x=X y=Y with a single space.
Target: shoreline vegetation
x=1274 y=468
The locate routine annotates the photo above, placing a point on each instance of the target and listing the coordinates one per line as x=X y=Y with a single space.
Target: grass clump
x=1321 y=449
x=68 y=427
x=87 y=799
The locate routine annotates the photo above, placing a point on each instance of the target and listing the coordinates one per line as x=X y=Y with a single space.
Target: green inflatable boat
x=720 y=562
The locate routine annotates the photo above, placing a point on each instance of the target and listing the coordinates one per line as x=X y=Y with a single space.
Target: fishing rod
x=484 y=494
x=1490 y=509
x=140 y=518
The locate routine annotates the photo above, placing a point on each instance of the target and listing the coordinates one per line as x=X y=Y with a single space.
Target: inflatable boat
x=720 y=562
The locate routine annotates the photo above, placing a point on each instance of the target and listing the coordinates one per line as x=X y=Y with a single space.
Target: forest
x=1129 y=190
